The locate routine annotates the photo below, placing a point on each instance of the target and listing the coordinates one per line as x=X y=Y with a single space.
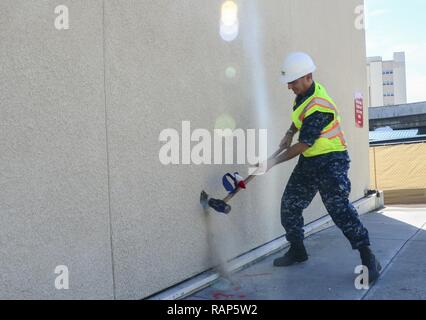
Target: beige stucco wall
x=81 y=183
x=53 y=169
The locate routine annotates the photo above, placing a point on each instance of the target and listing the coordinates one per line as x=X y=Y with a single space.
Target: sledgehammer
x=222 y=206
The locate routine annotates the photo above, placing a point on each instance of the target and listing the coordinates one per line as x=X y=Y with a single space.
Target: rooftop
x=402 y=110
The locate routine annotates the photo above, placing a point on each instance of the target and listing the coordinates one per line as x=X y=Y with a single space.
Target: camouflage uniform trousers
x=332 y=181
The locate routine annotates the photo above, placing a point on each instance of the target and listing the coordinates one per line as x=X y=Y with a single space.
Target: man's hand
x=268 y=165
x=289 y=154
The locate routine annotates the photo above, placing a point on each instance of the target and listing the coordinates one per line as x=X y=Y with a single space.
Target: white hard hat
x=297 y=65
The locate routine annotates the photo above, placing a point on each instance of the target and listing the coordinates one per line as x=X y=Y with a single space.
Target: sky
x=399 y=25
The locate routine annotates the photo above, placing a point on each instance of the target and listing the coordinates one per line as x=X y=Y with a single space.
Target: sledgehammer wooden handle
x=250 y=178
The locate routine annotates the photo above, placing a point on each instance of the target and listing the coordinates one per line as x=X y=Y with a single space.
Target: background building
x=81 y=184
x=411 y=116
x=387 y=84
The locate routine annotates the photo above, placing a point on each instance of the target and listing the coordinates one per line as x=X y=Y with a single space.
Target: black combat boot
x=369 y=260
x=296 y=254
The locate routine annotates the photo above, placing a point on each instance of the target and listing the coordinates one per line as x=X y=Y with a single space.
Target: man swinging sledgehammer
x=323 y=166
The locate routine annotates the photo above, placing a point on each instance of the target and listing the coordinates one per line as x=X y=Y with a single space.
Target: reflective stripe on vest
x=317 y=102
x=336 y=130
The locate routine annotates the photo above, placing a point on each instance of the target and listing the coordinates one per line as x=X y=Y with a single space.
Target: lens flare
x=229 y=13
x=225 y=121
x=229 y=25
x=230 y=72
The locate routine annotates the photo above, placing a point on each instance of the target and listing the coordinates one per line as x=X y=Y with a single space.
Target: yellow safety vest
x=332 y=137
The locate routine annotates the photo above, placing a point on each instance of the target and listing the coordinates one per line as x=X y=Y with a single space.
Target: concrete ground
x=398 y=236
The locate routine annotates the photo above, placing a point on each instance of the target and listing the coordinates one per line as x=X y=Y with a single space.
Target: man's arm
x=293 y=129
x=309 y=133
x=289 y=154
x=288 y=138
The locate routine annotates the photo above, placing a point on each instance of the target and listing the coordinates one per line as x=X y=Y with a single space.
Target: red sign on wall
x=359 y=110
